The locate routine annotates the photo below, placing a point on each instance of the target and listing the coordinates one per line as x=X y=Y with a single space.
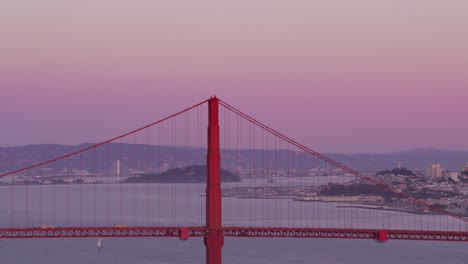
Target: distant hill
x=190 y=174
x=139 y=156
x=397 y=171
x=101 y=159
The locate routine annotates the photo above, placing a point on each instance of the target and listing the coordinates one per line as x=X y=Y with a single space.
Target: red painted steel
x=344 y=233
x=184 y=233
x=383 y=236
x=214 y=240
x=83 y=232
x=196 y=231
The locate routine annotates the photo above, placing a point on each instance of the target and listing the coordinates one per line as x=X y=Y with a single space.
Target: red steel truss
x=373 y=234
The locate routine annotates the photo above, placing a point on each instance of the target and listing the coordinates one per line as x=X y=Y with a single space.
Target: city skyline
x=362 y=77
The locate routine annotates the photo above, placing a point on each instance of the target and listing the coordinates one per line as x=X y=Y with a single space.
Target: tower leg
x=214 y=248
x=214 y=241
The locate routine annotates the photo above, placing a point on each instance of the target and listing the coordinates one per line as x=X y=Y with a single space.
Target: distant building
x=435 y=171
x=465 y=168
x=454 y=176
x=164 y=167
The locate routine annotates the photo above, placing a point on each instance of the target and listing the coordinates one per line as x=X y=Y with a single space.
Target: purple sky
x=338 y=76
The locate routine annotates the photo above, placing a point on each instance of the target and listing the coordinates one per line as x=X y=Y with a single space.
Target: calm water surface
x=121 y=199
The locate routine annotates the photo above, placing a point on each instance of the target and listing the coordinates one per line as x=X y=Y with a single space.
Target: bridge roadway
x=270 y=232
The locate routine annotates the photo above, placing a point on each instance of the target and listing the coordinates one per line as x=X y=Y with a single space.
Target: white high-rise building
x=436 y=170
x=118 y=170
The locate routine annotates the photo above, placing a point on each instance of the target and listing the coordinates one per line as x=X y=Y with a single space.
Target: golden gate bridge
x=279 y=192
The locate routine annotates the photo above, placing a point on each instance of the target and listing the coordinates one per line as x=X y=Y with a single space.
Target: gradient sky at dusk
x=338 y=76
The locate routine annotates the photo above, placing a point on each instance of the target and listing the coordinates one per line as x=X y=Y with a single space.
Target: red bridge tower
x=214 y=240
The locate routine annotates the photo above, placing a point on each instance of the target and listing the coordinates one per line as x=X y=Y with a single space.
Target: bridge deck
x=85 y=232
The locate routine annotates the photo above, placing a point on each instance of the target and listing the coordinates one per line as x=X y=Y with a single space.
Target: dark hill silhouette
x=397 y=171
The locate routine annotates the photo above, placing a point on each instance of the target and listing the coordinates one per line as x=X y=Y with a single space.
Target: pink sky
x=357 y=76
